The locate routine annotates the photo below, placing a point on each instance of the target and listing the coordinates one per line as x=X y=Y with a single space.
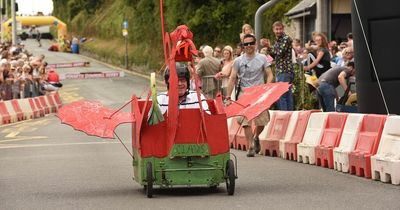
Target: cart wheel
x=149 y=179
x=230 y=177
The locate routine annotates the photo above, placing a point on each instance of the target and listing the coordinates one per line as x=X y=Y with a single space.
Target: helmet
x=182 y=71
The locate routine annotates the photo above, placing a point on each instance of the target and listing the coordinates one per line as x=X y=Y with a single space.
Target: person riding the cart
x=187 y=98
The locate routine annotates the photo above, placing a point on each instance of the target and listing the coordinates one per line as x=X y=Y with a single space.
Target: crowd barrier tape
x=91 y=75
x=289 y=133
x=347 y=142
x=330 y=139
x=312 y=136
x=277 y=129
x=366 y=145
x=290 y=149
x=68 y=65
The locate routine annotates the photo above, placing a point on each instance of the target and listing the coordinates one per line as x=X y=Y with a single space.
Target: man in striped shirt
x=187 y=99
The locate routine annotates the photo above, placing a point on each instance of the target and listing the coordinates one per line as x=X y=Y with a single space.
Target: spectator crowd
x=316 y=57
x=23 y=75
x=256 y=62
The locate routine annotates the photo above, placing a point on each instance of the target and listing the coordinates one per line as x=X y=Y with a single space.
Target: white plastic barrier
x=51 y=103
x=264 y=134
x=26 y=108
x=229 y=121
x=312 y=136
x=289 y=133
x=385 y=164
x=347 y=142
x=11 y=111
x=229 y=124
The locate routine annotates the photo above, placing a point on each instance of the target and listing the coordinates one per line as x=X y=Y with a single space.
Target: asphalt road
x=48 y=165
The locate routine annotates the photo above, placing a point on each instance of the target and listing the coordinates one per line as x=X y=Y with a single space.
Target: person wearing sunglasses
x=281 y=51
x=218 y=53
x=249 y=70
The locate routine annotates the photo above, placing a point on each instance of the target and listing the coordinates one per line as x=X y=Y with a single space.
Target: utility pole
x=14 y=23
x=126 y=52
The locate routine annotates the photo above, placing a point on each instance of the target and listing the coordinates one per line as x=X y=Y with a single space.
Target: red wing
x=257 y=99
x=93 y=118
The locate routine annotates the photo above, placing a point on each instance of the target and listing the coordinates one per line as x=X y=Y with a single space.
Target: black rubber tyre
x=230 y=177
x=149 y=179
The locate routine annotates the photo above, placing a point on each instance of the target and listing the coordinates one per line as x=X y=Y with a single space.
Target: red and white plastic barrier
x=289 y=133
x=277 y=129
x=26 y=108
x=14 y=115
x=290 y=149
x=232 y=134
x=43 y=103
x=17 y=108
x=340 y=141
x=312 y=136
x=51 y=102
x=347 y=142
x=236 y=133
x=41 y=109
x=385 y=164
x=4 y=113
x=264 y=134
x=29 y=108
x=241 y=142
x=367 y=145
x=57 y=99
x=36 y=111
x=330 y=139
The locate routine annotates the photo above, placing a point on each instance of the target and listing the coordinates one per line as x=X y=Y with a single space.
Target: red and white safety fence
x=366 y=145
x=15 y=110
x=91 y=75
x=68 y=65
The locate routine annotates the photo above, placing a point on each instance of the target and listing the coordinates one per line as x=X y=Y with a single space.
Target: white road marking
x=8 y=146
x=23 y=138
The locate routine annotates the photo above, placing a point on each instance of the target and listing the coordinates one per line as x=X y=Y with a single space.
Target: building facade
x=332 y=17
